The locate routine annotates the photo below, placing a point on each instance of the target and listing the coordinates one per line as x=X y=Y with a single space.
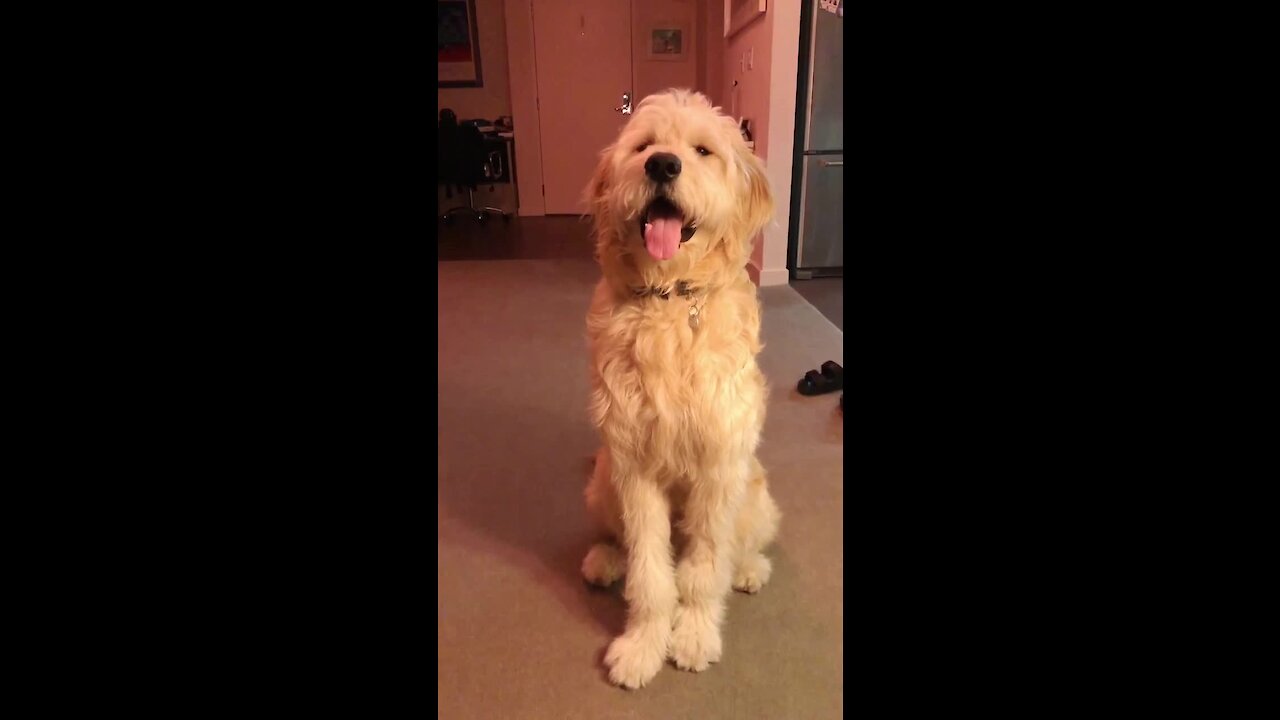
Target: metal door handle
x=626 y=104
x=832 y=163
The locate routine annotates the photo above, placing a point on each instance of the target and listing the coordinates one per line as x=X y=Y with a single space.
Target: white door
x=583 y=53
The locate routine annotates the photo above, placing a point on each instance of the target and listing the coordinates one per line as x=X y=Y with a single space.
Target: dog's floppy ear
x=756 y=207
x=598 y=187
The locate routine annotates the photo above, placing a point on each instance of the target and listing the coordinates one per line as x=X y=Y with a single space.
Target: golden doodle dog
x=674 y=330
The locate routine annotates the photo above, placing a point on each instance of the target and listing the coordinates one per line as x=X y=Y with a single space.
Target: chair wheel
x=481 y=217
x=446 y=219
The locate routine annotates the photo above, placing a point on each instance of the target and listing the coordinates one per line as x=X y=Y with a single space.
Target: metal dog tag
x=693 y=316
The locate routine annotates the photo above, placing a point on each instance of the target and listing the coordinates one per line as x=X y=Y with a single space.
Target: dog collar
x=682 y=288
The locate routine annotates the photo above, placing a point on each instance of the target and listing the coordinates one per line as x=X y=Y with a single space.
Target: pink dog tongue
x=662 y=237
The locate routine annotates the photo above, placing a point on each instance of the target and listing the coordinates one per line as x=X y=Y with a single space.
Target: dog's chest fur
x=668 y=389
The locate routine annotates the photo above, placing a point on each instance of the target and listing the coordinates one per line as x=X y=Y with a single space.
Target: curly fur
x=679 y=409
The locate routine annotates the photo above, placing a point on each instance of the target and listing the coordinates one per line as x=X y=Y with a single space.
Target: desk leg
x=511 y=164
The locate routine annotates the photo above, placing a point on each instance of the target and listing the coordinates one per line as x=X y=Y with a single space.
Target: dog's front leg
x=637 y=655
x=704 y=574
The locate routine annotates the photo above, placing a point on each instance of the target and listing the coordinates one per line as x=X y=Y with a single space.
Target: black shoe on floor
x=830 y=379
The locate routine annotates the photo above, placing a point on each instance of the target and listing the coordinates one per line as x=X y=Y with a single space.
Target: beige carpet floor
x=521 y=636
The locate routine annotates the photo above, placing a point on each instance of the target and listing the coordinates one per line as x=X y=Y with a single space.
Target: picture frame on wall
x=667 y=42
x=457 y=44
x=740 y=13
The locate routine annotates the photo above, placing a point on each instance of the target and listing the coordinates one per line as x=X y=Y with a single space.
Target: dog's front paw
x=695 y=641
x=634 y=658
x=752 y=574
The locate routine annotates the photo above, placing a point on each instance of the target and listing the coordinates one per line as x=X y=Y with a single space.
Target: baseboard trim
x=773 y=276
x=767 y=278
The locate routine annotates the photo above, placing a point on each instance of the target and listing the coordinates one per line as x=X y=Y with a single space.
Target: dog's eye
x=642 y=147
x=703 y=151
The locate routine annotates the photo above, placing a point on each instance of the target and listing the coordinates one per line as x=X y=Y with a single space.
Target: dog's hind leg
x=605 y=562
x=756 y=527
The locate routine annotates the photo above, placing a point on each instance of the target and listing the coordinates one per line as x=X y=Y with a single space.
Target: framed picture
x=669 y=42
x=457 y=44
x=740 y=13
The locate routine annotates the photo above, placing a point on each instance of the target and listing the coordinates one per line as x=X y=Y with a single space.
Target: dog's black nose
x=662 y=167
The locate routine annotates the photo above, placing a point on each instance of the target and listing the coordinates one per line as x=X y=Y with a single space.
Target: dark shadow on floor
x=825 y=294
x=513 y=472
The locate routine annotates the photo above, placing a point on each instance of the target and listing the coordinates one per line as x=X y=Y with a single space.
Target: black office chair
x=465 y=163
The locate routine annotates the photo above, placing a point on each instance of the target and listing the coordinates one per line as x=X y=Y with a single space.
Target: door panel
x=583 y=54
x=822 y=213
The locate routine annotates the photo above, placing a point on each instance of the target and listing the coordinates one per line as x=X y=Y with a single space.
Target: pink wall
x=750 y=98
x=711 y=56
x=524 y=106
x=785 y=55
x=766 y=95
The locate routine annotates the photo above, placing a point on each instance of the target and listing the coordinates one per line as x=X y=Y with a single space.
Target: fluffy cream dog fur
x=676 y=391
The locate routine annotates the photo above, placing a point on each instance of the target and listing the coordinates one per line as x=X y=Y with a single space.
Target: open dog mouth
x=663 y=228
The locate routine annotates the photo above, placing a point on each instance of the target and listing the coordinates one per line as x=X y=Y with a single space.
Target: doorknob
x=626 y=104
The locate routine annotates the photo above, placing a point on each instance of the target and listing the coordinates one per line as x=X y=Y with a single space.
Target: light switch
x=751 y=58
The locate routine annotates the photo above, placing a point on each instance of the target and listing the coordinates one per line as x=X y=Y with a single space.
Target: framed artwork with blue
x=457 y=44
